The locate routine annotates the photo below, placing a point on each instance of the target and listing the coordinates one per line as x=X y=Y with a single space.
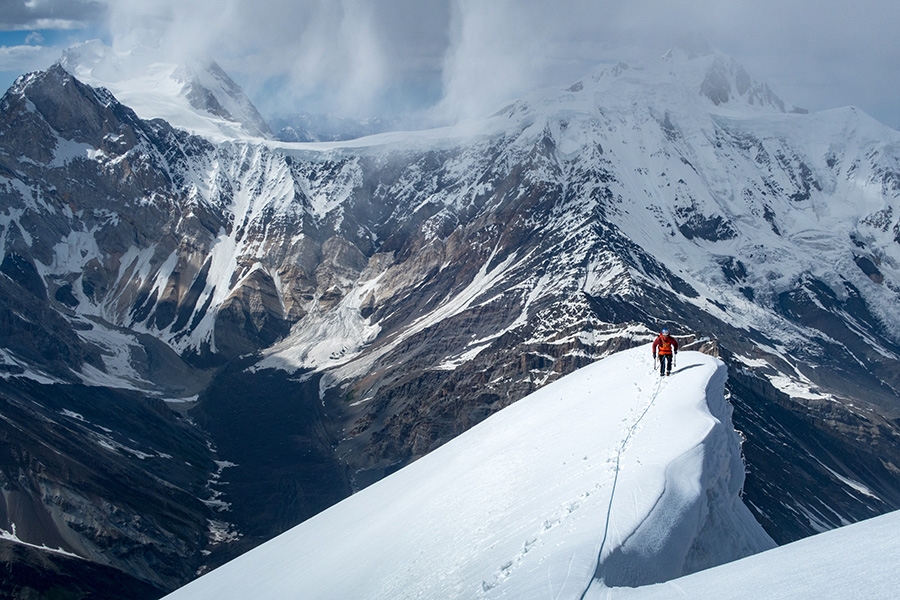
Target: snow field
x=857 y=561
x=607 y=465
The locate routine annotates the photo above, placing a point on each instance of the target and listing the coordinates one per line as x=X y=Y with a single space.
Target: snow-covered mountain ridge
x=199 y=97
x=604 y=478
x=351 y=306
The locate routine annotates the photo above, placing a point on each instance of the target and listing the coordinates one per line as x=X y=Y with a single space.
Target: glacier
x=608 y=477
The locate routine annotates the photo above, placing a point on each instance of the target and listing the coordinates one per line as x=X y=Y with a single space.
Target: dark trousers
x=665 y=364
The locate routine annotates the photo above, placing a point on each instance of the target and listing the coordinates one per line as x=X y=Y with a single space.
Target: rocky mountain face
x=206 y=343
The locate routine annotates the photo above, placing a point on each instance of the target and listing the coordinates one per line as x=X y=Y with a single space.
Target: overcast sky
x=367 y=58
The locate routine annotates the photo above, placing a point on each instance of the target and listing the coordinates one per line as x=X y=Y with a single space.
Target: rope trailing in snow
x=612 y=493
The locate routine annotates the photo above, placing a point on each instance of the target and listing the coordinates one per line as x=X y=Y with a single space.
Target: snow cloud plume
x=466 y=58
x=503 y=49
x=345 y=57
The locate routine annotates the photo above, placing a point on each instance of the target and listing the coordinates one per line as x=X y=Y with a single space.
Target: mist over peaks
x=197 y=95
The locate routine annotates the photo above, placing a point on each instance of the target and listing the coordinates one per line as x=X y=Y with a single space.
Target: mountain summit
x=724 y=80
x=199 y=97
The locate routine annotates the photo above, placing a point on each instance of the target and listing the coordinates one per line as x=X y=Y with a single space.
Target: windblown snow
x=201 y=100
x=611 y=476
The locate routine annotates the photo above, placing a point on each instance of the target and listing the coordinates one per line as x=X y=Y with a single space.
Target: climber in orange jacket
x=666 y=347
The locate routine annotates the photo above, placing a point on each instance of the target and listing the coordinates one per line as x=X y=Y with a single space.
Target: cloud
x=462 y=58
x=817 y=53
x=342 y=56
x=492 y=54
x=26 y=15
x=821 y=54
x=61 y=21
x=24 y=59
x=502 y=49
x=339 y=59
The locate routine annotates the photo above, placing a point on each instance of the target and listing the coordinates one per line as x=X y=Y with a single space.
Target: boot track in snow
x=612 y=494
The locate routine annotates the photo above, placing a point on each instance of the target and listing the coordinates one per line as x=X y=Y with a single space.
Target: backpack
x=665 y=345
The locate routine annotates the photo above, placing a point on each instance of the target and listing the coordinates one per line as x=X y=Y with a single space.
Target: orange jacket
x=664 y=344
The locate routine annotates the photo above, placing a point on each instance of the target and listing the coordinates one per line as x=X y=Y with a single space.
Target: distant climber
x=666 y=347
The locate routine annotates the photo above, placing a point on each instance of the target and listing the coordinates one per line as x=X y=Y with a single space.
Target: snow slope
x=856 y=561
x=609 y=476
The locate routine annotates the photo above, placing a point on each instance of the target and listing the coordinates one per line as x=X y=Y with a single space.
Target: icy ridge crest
x=606 y=477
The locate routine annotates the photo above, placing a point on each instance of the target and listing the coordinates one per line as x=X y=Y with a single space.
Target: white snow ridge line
x=612 y=494
x=698 y=520
x=515 y=507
